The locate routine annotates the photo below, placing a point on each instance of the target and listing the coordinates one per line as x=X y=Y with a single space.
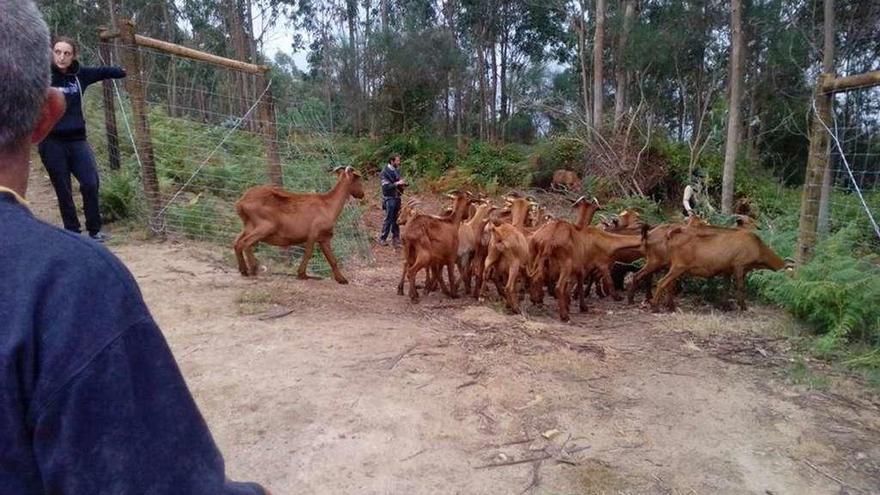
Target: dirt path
x=356 y=391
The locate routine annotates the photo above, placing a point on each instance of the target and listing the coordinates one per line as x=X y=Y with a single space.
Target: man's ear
x=53 y=109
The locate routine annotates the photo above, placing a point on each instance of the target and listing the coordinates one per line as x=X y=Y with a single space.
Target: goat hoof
x=399 y=291
x=342 y=280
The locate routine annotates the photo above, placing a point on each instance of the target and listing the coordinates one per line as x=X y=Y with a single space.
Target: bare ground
x=356 y=390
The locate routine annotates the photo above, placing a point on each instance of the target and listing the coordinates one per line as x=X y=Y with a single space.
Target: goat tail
x=536 y=267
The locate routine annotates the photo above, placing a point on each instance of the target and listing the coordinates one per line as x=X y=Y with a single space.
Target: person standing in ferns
x=694 y=200
x=65 y=151
x=392 y=189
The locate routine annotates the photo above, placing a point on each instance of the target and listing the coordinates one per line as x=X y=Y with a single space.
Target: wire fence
x=209 y=147
x=854 y=192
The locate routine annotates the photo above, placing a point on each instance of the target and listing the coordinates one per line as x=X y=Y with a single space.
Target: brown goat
x=655 y=249
x=469 y=234
x=627 y=222
x=566 y=180
x=548 y=269
x=508 y=254
x=432 y=241
x=576 y=252
x=281 y=218
x=711 y=251
x=482 y=248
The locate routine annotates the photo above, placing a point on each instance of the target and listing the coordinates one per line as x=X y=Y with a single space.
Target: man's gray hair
x=24 y=70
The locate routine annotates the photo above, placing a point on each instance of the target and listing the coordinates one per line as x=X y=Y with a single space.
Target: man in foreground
x=91 y=399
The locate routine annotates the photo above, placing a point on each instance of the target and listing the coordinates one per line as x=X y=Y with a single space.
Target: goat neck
x=769 y=258
x=459 y=209
x=338 y=196
x=585 y=213
x=519 y=210
x=480 y=216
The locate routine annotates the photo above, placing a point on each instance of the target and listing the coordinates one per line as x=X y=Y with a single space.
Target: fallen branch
x=278 y=313
x=536 y=476
x=396 y=359
x=543 y=457
x=823 y=473
x=467 y=384
x=414 y=455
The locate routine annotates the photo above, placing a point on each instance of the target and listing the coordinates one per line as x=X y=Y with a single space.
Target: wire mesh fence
x=209 y=146
x=854 y=166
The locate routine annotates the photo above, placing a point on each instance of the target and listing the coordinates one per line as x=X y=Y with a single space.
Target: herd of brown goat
x=515 y=247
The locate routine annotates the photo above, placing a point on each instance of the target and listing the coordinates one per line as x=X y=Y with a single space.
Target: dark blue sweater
x=91 y=399
x=73 y=83
x=388 y=179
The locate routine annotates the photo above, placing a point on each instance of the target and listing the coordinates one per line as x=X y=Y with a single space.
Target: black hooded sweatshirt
x=72 y=126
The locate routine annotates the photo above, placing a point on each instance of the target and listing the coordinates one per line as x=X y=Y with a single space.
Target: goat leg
x=422 y=261
x=740 y=277
x=608 y=282
x=664 y=289
x=642 y=276
x=563 y=294
x=304 y=264
x=581 y=294
x=334 y=264
x=453 y=284
x=512 y=292
x=239 y=254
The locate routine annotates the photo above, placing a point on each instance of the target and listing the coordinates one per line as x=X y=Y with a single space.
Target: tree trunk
x=828 y=68
x=733 y=119
x=481 y=70
x=241 y=51
x=504 y=54
x=629 y=10
x=493 y=105
x=581 y=28
x=171 y=97
x=701 y=92
x=351 y=17
x=598 y=64
x=446 y=107
x=751 y=131
x=368 y=70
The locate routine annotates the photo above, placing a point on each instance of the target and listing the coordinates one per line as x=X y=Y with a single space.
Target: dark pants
x=63 y=159
x=392 y=211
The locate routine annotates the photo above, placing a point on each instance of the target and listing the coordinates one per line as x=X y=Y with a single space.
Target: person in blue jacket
x=392 y=188
x=92 y=401
x=65 y=151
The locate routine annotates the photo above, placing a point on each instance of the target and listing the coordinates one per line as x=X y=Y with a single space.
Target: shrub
x=836 y=292
x=560 y=153
x=120 y=195
x=490 y=165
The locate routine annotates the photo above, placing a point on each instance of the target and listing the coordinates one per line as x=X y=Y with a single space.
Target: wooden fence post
x=270 y=134
x=817 y=162
x=143 y=142
x=110 y=111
